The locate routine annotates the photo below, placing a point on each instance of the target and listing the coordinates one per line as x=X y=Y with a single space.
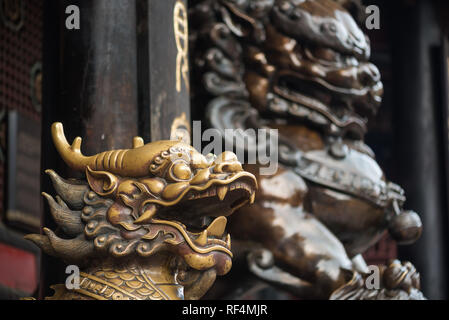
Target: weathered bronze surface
x=302 y=67
x=148 y=222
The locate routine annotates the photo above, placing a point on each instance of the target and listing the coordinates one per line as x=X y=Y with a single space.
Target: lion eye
x=182 y=171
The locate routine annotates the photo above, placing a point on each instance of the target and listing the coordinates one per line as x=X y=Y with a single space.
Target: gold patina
x=147 y=222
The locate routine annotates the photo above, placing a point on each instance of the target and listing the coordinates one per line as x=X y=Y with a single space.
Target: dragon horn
x=70 y=153
x=127 y=162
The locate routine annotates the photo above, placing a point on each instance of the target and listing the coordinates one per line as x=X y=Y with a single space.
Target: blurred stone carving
x=302 y=67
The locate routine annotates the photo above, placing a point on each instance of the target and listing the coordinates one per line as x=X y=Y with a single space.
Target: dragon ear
x=102 y=182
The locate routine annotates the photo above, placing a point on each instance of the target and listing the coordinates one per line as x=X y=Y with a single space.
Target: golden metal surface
x=125 y=225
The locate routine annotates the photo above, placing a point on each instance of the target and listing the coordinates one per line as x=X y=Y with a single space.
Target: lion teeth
x=202 y=239
x=217 y=227
x=221 y=192
x=253 y=197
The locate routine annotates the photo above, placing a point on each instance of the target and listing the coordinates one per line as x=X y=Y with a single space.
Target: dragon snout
x=227 y=162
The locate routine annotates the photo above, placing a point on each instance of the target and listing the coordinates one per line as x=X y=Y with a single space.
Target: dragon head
x=160 y=197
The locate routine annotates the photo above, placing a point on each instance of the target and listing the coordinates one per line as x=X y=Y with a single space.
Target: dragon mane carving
x=149 y=222
x=302 y=67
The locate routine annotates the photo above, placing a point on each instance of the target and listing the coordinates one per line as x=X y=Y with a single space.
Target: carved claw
x=70 y=192
x=68 y=220
x=42 y=242
x=75 y=249
x=399 y=281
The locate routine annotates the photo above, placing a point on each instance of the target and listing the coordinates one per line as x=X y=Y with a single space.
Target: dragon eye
x=182 y=171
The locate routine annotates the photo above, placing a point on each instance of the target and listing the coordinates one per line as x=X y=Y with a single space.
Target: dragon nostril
x=226 y=156
x=233 y=167
x=229 y=167
x=227 y=162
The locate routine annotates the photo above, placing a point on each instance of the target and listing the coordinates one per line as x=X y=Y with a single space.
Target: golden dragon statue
x=148 y=222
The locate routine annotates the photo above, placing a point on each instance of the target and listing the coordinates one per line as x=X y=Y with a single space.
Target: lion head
x=297 y=60
x=301 y=67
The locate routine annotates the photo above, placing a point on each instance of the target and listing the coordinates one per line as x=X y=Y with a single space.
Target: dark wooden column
x=163 y=68
x=99 y=74
x=123 y=73
x=90 y=85
x=419 y=139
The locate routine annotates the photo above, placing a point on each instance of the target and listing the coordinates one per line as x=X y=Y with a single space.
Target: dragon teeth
x=221 y=192
x=202 y=239
x=147 y=215
x=217 y=227
x=253 y=197
x=228 y=241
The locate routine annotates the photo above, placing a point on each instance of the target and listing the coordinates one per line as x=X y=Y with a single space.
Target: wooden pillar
x=123 y=73
x=90 y=85
x=164 y=69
